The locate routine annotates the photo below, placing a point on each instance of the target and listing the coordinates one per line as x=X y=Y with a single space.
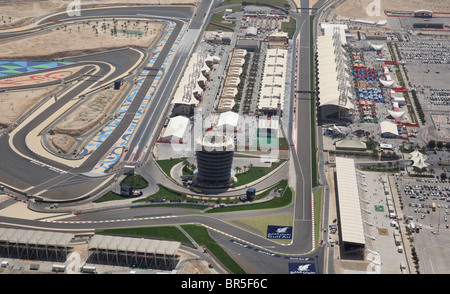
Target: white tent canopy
x=418 y=159
x=388 y=129
x=228 y=120
x=387 y=83
x=396 y=114
x=176 y=128
x=376 y=47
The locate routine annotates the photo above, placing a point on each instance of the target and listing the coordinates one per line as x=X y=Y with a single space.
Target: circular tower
x=214 y=153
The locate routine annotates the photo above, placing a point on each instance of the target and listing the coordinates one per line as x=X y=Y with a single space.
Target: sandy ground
x=14 y=14
x=89 y=114
x=358 y=8
x=78 y=38
x=84 y=118
x=15 y=104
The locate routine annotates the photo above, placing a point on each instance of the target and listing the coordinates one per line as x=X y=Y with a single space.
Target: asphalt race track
x=58 y=182
x=24 y=170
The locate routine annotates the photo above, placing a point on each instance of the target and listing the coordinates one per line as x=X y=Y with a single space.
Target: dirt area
x=194 y=266
x=15 y=104
x=358 y=8
x=90 y=113
x=63 y=143
x=18 y=13
x=84 y=118
x=78 y=38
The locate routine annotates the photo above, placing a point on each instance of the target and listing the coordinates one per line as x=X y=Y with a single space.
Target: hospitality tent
x=388 y=129
x=176 y=129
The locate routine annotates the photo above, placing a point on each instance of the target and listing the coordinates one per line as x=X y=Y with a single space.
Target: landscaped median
x=244 y=176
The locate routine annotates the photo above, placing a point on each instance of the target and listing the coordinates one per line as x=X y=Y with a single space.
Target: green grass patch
x=201 y=236
x=110 y=196
x=317 y=194
x=282 y=201
x=289 y=27
x=167 y=164
x=217 y=18
x=260 y=224
x=213 y=27
x=131 y=32
x=163 y=193
x=254 y=173
x=135 y=181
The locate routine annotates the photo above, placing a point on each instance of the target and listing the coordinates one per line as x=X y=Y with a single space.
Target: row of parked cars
x=424 y=192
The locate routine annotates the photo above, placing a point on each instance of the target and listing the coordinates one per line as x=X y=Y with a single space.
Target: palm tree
x=238 y=169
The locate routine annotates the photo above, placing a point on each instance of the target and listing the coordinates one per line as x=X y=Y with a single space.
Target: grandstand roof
x=134 y=245
x=43 y=238
x=349 y=204
x=329 y=75
x=273 y=81
x=189 y=81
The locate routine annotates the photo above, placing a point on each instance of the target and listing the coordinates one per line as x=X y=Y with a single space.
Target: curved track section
x=50 y=178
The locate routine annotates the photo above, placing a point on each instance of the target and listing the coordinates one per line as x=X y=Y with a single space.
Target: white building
x=273 y=82
x=176 y=129
x=228 y=121
x=388 y=129
x=334 y=75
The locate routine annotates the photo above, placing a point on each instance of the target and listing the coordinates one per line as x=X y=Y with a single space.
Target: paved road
x=22 y=174
x=146 y=133
x=301 y=132
x=279 y=254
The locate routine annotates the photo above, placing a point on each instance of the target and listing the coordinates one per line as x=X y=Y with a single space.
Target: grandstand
x=334 y=77
x=273 y=82
x=192 y=84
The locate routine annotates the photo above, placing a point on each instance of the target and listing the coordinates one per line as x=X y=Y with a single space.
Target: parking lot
x=427 y=201
x=426 y=204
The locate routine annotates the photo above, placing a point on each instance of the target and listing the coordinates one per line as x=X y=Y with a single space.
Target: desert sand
x=15 y=104
x=78 y=38
x=358 y=8
x=14 y=14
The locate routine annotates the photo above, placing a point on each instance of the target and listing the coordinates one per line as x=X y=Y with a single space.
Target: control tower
x=214 y=153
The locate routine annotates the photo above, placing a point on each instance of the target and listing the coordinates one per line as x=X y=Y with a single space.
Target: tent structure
x=387 y=84
x=348 y=144
x=396 y=114
x=176 y=129
x=388 y=129
x=377 y=47
x=418 y=159
x=228 y=120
